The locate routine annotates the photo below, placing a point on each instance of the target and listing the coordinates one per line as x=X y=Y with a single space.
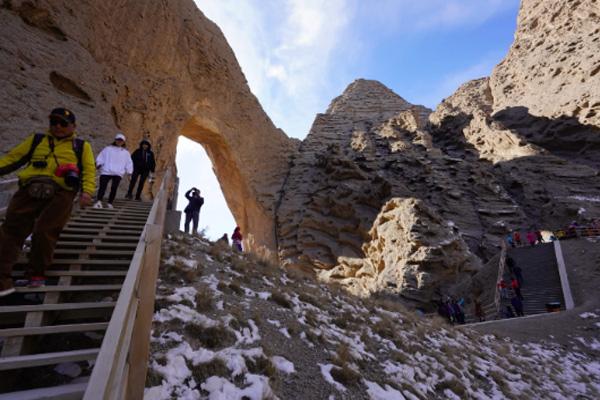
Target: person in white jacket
x=113 y=162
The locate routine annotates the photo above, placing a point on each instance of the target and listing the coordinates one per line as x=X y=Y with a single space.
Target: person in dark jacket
x=143 y=165
x=517 y=305
x=192 y=210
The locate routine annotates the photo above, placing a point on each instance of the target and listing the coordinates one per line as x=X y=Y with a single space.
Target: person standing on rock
x=539 y=237
x=510 y=241
x=113 y=162
x=236 y=239
x=143 y=165
x=192 y=210
x=531 y=239
x=517 y=238
x=57 y=166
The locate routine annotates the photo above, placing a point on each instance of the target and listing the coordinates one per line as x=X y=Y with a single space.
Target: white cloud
x=286 y=50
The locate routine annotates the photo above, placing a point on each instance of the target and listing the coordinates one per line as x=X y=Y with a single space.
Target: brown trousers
x=44 y=219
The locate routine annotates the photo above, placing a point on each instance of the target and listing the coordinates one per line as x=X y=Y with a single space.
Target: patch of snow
x=274 y=322
x=376 y=392
x=219 y=305
x=587 y=315
x=185 y=314
x=581 y=211
x=267 y=282
x=257 y=388
x=283 y=364
x=285 y=333
x=248 y=335
x=183 y=293
x=326 y=372
x=264 y=295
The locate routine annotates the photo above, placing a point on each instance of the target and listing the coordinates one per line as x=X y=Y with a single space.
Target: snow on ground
x=232 y=330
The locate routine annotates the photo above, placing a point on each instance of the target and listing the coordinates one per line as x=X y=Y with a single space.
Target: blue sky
x=298 y=55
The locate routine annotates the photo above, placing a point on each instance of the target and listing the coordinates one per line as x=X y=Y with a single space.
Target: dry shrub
x=314 y=338
x=345 y=375
x=400 y=357
x=153 y=378
x=342 y=355
x=344 y=320
x=260 y=365
x=241 y=264
x=222 y=286
x=311 y=318
x=235 y=288
x=204 y=300
x=281 y=299
x=213 y=337
x=454 y=385
x=201 y=372
x=385 y=328
x=501 y=381
x=306 y=298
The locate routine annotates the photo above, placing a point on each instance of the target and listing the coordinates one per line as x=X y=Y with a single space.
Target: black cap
x=63 y=113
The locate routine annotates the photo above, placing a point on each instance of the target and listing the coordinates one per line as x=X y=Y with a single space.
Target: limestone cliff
x=516 y=150
x=154 y=69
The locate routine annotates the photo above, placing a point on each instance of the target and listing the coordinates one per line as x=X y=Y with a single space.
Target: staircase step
x=53 y=329
x=36 y=360
x=72 y=391
x=72 y=288
x=56 y=307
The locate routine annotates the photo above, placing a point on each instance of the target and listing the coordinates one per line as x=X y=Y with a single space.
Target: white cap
x=120 y=136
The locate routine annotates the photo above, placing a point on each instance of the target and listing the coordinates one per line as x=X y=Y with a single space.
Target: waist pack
x=41 y=188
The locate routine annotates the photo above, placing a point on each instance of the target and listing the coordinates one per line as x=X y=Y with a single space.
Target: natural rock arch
x=153 y=70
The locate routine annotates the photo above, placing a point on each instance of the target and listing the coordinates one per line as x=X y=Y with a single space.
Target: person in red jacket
x=236 y=239
x=514 y=283
x=502 y=288
x=517 y=238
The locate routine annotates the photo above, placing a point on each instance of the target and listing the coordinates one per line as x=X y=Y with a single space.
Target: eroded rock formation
x=154 y=69
x=516 y=150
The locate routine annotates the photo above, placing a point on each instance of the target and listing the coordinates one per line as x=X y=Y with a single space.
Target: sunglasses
x=58 y=121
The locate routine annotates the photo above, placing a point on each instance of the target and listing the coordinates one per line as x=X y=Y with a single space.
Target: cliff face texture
x=386 y=198
x=154 y=69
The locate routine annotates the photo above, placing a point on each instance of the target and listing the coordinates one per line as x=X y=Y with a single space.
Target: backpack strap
x=37 y=139
x=78 y=149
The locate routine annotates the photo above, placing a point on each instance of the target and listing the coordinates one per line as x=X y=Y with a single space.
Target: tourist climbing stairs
x=72 y=338
x=541 y=280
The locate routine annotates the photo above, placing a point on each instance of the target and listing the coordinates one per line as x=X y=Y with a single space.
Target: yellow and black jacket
x=63 y=153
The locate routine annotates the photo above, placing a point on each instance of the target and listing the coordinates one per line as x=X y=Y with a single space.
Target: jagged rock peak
x=366 y=98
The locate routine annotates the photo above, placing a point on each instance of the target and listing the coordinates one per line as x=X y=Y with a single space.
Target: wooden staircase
x=66 y=320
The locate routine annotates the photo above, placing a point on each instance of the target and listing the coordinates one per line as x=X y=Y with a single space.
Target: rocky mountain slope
x=230 y=326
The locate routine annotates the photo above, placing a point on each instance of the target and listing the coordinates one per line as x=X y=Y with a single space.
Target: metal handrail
x=120 y=369
x=501 y=265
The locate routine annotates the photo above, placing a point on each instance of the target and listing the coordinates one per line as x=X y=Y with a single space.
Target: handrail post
x=501 y=264
x=140 y=345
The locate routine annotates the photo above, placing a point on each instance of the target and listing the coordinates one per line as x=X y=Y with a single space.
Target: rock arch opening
x=236 y=162
x=195 y=169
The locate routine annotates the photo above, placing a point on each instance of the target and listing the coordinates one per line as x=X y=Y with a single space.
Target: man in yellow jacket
x=57 y=168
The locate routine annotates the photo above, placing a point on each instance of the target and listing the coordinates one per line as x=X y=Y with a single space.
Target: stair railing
x=121 y=366
x=501 y=266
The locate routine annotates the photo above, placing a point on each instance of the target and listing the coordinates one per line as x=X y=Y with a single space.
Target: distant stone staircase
x=541 y=281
